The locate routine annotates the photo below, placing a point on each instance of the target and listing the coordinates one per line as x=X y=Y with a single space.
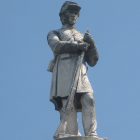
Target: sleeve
x=91 y=55
x=60 y=47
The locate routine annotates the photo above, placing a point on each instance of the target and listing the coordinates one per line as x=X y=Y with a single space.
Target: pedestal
x=81 y=138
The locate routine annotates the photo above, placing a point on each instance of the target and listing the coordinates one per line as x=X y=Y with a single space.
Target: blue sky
x=25 y=110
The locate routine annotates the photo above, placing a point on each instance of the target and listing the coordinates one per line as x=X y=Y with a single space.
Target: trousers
x=88 y=117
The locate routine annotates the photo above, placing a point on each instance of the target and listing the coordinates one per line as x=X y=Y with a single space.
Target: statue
x=71 y=91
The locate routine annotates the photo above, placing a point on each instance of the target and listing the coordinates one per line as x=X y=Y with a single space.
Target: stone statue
x=71 y=91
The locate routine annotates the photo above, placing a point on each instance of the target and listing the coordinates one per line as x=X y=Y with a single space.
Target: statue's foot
x=63 y=136
x=97 y=137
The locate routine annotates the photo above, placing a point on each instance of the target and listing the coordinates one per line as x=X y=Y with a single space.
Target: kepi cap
x=69 y=5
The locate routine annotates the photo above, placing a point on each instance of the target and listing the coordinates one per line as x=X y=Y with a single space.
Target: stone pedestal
x=81 y=138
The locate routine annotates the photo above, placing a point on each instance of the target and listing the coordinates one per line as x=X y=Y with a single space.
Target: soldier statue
x=71 y=91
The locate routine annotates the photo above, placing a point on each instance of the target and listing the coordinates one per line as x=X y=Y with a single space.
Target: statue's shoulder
x=61 y=33
x=53 y=33
x=56 y=31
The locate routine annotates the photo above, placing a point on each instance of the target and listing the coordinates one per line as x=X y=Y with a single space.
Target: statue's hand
x=83 y=46
x=88 y=38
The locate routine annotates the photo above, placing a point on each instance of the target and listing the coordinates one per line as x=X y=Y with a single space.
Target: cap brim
x=74 y=7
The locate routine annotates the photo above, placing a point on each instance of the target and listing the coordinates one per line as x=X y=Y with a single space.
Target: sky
x=25 y=110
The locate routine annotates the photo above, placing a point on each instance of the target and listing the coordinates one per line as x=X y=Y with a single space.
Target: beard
x=70 y=20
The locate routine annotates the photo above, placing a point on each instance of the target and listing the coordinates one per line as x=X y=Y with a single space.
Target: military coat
x=65 y=60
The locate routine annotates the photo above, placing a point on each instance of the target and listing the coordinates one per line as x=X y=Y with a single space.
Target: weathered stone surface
x=72 y=50
x=81 y=138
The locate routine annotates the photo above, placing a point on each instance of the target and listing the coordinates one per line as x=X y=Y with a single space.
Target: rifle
x=69 y=105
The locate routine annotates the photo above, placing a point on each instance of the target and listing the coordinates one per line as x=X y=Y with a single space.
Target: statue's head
x=69 y=13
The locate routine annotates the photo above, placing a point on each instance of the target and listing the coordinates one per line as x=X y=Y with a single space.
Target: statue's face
x=71 y=17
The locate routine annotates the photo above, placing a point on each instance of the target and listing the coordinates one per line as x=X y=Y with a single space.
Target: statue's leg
x=71 y=124
x=89 y=114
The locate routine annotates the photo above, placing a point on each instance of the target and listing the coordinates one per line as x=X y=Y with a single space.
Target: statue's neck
x=68 y=26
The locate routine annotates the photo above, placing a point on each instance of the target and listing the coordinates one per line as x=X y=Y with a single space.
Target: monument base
x=81 y=138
